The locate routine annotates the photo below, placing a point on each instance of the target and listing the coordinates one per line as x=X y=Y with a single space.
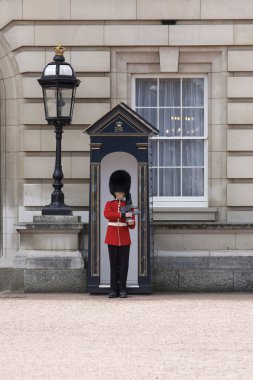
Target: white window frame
x=181 y=201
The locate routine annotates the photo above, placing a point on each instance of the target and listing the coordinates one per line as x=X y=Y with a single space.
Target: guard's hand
x=129 y=215
x=130 y=222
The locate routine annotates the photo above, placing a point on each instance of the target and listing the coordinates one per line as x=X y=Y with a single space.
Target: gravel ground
x=173 y=336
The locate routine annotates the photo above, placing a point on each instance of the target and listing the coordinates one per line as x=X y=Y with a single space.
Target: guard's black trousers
x=119 y=260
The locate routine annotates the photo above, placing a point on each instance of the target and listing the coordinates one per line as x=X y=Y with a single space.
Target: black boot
x=113 y=295
x=123 y=294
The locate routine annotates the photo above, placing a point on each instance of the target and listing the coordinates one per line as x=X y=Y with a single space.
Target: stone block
x=244 y=240
x=72 y=140
x=169 y=59
x=211 y=241
x=243 y=34
x=37 y=10
x=87 y=113
x=231 y=262
x=49 y=240
x=31 y=87
x=240 y=113
x=243 y=280
x=76 y=194
x=101 y=10
x=80 y=167
x=216 y=164
x=219 y=85
x=219 y=108
x=216 y=192
x=56 y=260
x=10 y=10
x=240 y=60
x=239 y=166
x=184 y=35
x=32 y=194
x=5 y=279
x=131 y=35
x=84 y=113
x=240 y=216
x=168 y=9
x=69 y=35
x=164 y=279
x=30 y=61
x=240 y=87
x=55 y=281
x=90 y=61
x=240 y=140
x=219 y=141
x=6 y=68
x=36 y=167
x=32 y=140
x=239 y=194
x=169 y=241
x=20 y=35
x=206 y=280
x=94 y=87
x=226 y=9
x=33 y=113
x=17 y=283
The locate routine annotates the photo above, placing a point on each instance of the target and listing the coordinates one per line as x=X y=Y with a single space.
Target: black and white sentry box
x=119 y=140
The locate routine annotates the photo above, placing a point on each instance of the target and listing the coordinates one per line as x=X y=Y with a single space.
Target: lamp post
x=59 y=83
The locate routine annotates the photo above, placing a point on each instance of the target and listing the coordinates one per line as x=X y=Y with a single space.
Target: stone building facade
x=202 y=241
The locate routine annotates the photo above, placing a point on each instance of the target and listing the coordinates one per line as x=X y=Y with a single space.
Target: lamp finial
x=59 y=53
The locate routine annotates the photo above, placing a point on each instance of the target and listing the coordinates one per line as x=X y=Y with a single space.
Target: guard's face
x=119 y=195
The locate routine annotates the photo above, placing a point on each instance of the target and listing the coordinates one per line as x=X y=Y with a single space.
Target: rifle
x=129 y=207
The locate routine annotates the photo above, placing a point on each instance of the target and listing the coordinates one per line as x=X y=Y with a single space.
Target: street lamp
x=59 y=83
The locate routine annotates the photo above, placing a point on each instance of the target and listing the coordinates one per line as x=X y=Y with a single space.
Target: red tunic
x=117 y=235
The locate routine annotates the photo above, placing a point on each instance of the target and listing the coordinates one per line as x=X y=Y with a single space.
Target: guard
x=121 y=219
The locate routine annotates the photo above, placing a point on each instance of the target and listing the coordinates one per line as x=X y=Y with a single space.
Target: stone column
x=49 y=257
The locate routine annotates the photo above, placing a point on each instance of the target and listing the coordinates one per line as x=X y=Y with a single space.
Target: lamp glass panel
x=65 y=70
x=50 y=96
x=64 y=102
x=50 y=70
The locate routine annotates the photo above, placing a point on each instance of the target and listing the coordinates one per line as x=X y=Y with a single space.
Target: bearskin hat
x=120 y=181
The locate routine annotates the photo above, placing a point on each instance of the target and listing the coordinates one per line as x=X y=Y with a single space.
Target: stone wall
x=108 y=42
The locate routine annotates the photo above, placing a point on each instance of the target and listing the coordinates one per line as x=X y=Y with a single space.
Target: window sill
x=172 y=214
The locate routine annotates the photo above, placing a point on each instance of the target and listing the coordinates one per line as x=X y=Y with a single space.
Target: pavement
x=172 y=336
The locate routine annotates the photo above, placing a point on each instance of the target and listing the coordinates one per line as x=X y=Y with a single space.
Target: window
x=177 y=107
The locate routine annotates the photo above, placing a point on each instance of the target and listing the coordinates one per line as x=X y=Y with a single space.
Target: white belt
x=117 y=224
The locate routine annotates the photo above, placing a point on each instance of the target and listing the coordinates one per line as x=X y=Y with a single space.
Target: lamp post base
x=62 y=210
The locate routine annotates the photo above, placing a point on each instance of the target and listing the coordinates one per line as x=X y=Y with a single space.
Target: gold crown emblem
x=119 y=128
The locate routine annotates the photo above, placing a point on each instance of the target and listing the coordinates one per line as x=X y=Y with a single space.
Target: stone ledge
x=171 y=214
x=38 y=259
x=49 y=226
x=167 y=225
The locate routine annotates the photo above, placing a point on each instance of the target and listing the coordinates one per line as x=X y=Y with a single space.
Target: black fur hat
x=120 y=181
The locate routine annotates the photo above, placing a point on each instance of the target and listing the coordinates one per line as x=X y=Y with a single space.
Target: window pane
x=154 y=182
x=146 y=93
x=148 y=114
x=169 y=93
x=169 y=182
x=193 y=182
x=193 y=152
x=193 y=92
x=170 y=122
x=154 y=161
x=169 y=153
x=193 y=121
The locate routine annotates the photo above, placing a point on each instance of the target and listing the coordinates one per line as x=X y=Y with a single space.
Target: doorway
x=110 y=163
